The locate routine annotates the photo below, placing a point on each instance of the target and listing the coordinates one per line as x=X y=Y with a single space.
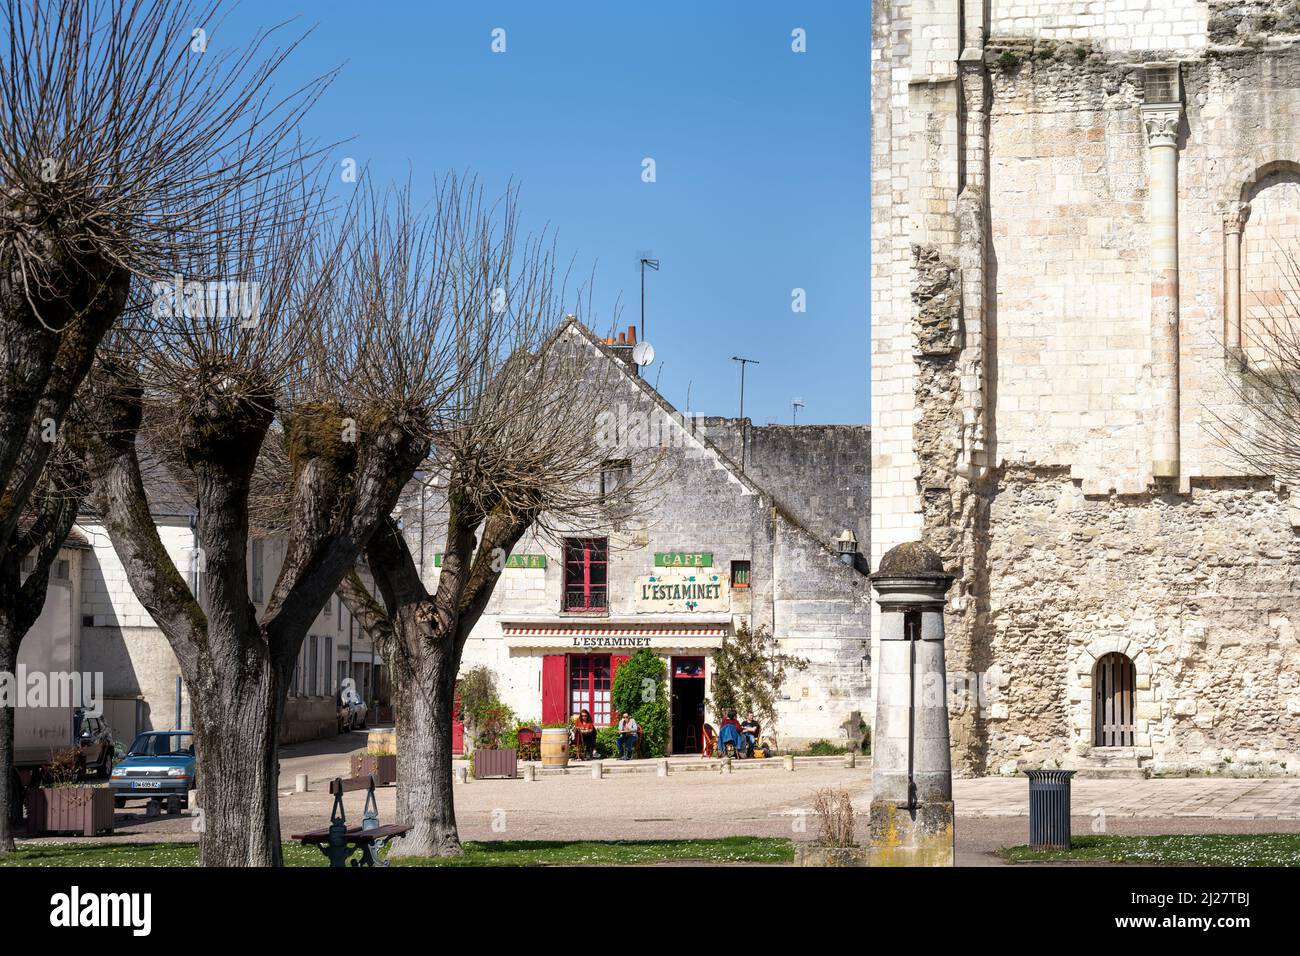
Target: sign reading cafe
x=677 y=592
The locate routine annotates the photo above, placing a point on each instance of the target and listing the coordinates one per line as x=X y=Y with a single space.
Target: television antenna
x=796 y=405
x=743 y=362
x=645 y=261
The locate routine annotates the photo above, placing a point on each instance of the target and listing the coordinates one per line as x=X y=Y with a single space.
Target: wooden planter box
x=84 y=810
x=495 y=763
x=810 y=854
x=383 y=767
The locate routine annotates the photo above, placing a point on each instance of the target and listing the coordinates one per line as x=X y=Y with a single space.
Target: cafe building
x=775 y=544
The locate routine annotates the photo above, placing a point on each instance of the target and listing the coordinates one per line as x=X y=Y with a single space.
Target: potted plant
x=490 y=758
x=835 y=844
x=379 y=761
x=64 y=805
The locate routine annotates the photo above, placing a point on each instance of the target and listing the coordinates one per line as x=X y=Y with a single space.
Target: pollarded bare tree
x=120 y=132
x=1265 y=381
x=305 y=423
x=521 y=451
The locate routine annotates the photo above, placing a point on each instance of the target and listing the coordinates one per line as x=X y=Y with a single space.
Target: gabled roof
x=572 y=325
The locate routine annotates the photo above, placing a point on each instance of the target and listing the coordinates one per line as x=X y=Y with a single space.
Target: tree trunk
x=236 y=736
x=8 y=797
x=425 y=799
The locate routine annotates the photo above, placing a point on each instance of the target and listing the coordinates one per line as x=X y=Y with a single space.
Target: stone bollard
x=462 y=774
x=530 y=773
x=661 y=768
x=788 y=761
x=850 y=760
x=596 y=769
x=726 y=765
x=301 y=783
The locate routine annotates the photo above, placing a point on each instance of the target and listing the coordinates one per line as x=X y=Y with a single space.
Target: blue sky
x=761 y=162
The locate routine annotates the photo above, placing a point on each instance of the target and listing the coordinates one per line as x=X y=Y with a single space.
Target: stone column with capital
x=1234 y=222
x=912 y=822
x=1161 y=123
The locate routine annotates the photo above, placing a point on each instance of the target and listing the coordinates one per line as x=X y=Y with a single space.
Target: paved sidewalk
x=1221 y=798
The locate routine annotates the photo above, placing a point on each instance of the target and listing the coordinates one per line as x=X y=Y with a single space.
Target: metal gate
x=1112 y=706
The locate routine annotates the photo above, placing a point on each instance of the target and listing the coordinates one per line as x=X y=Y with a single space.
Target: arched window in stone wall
x=1114 y=681
x=1262 y=241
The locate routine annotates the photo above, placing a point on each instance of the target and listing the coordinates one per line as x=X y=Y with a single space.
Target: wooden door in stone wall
x=1112 y=701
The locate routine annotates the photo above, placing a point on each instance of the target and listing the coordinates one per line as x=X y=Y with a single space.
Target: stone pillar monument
x=911 y=776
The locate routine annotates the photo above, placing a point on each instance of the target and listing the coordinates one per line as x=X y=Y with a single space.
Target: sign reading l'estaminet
x=677 y=592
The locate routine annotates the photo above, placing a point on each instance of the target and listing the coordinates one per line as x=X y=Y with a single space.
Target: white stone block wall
x=106 y=594
x=1116 y=25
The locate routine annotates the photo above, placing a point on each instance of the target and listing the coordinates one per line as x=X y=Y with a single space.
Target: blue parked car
x=158 y=766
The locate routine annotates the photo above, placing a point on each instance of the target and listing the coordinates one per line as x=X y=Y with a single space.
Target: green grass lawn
x=1209 y=849
x=496 y=853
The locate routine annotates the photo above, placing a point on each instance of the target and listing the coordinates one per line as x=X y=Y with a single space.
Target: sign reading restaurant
x=702 y=592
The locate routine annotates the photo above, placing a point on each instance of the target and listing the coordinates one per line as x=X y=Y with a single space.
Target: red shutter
x=615 y=662
x=555 y=692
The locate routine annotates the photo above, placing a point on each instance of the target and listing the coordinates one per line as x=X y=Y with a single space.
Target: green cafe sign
x=512 y=561
x=683 y=559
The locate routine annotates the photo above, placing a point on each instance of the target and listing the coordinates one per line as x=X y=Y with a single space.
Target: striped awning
x=573 y=636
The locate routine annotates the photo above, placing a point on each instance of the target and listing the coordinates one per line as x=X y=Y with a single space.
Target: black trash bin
x=1049 y=809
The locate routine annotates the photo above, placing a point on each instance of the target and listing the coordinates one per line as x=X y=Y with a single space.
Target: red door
x=554 y=689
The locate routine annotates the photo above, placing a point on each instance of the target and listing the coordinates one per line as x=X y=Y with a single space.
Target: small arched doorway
x=1113 y=682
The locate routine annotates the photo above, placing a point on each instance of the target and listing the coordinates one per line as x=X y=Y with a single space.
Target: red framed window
x=586 y=574
x=590 y=680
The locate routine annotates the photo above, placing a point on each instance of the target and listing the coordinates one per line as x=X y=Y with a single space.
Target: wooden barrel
x=555 y=747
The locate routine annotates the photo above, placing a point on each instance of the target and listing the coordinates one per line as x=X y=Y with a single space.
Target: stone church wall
x=1035 y=419
x=1201 y=590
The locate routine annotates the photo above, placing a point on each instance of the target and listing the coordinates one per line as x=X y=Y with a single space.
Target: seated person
x=627 y=734
x=710 y=740
x=584 y=735
x=749 y=731
x=729 y=733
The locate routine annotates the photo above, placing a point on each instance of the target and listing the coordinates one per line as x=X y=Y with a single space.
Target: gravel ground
x=754 y=802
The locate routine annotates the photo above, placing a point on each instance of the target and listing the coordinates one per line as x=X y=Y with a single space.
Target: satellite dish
x=643 y=353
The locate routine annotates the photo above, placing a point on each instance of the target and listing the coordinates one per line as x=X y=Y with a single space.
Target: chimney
x=621 y=345
x=631 y=335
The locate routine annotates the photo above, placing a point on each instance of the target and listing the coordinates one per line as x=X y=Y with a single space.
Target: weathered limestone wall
x=1047 y=376
x=1200 y=590
x=1068 y=198
x=820 y=474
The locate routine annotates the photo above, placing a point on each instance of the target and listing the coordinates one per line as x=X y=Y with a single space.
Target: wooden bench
x=339 y=842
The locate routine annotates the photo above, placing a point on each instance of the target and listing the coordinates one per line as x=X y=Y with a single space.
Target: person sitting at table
x=749 y=731
x=627 y=734
x=584 y=734
x=729 y=733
